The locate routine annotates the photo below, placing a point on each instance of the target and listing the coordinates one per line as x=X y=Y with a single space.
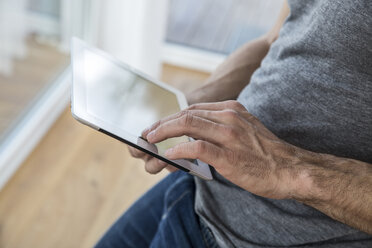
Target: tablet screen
x=125 y=100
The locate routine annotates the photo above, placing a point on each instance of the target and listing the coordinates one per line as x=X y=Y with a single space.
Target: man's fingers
x=226 y=117
x=136 y=153
x=190 y=125
x=152 y=165
x=171 y=168
x=155 y=165
x=223 y=112
x=216 y=106
x=164 y=120
x=199 y=149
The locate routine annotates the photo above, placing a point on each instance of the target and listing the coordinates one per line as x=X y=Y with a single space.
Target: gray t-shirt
x=313 y=90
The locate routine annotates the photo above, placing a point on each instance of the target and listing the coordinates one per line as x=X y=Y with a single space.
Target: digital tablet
x=116 y=99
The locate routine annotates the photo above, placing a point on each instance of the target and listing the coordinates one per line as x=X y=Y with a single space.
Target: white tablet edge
x=201 y=170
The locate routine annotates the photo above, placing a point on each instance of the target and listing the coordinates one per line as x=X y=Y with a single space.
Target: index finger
x=215 y=106
x=189 y=125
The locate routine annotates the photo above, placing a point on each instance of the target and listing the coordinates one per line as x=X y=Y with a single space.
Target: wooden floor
x=30 y=76
x=75 y=183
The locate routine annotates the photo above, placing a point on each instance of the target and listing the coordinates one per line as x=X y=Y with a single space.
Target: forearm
x=340 y=188
x=233 y=75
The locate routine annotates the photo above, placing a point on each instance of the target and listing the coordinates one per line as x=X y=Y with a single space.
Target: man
x=292 y=156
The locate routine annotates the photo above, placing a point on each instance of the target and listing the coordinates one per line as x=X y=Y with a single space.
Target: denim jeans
x=163 y=217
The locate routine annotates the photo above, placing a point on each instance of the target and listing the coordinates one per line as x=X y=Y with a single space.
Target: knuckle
x=187 y=119
x=252 y=118
x=230 y=114
x=183 y=112
x=193 y=106
x=200 y=147
x=233 y=104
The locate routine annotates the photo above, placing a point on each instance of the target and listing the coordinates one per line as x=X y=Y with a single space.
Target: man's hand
x=227 y=81
x=152 y=165
x=233 y=141
x=241 y=149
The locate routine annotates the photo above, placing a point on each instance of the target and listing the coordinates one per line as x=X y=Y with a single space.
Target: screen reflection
x=125 y=100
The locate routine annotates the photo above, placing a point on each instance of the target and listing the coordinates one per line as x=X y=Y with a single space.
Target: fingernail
x=168 y=152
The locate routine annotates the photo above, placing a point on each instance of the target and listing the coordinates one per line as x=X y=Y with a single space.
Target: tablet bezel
x=80 y=112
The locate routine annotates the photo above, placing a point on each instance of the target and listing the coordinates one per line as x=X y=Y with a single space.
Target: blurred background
x=61 y=183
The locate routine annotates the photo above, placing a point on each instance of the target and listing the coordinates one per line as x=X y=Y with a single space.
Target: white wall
x=134 y=31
